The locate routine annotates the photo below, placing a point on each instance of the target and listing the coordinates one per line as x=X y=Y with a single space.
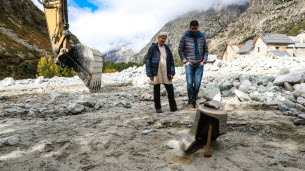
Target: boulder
x=244 y=77
x=289 y=104
x=298 y=122
x=55 y=95
x=301 y=100
x=39 y=80
x=283 y=107
x=296 y=77
x=300 y=107
x=243 y=97
x=147 y=97
x=267 y=79
x=283 y=71
x=288 y=87
x=8 y=81
x=76 y=108
x=245 y=85
x=301 y=116
x=212 y=94
x=299 y=91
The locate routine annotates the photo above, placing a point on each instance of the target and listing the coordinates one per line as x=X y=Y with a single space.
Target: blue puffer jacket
x=153 y=59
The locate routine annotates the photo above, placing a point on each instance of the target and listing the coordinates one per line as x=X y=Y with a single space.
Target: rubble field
x=56 y=124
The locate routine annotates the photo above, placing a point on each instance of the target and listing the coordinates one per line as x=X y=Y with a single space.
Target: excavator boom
x=68 y=51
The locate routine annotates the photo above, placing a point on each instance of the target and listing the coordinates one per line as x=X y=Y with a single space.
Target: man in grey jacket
x=193 y=51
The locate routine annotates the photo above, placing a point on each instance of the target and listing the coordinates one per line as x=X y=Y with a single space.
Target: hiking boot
x=159 y=111
x=190 y=106
x=196 y=106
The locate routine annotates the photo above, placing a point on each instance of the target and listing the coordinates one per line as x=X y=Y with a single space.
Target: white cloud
x=120 y=22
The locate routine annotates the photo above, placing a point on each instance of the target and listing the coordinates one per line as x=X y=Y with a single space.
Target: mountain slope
x=23 y=38
x=236 y=24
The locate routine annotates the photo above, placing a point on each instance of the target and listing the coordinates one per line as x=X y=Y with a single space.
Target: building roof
x=295 y=39
x=248 y=47
x=300 y=45
x=279 y=53
x=274 y=38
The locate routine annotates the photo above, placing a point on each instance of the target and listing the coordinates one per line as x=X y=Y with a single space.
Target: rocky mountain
x=23 y=38
x=122 y=55
x=236 y=24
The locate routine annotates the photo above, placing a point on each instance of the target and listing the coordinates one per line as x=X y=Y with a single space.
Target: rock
x=215 y=68
x=148 y=131
x=212 y=94
x=213 y=104
x=298 y=122
x=300 y=107
x=9 y=81
x=147 y=97
x=245 y=85
x=283 y=107
x=39 y=80
x=301 y=116
x=267 y=79
x=256 y=96
x=292 y=78
x=97 y=106
x=288 y=87
x=236 y=84
x=4 y=97
x=226 y=86
x=290 y=113
x=243 y=97
x=55 y=95
x=289 y=104
x=244 y=77
x=299 y=91
x=228 y=93
x=301 y=100
x=90 y=104
x=76 y=108
x=173 y=144
x=283 y=71
x=218 y=63
x=128 y=106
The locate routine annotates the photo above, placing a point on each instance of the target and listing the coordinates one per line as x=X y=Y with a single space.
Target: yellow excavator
x=68 y=51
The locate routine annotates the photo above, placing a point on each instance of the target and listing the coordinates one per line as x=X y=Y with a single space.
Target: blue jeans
x=193 y=77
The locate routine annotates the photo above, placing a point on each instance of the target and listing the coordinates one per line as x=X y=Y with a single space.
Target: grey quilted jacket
x=187 y=48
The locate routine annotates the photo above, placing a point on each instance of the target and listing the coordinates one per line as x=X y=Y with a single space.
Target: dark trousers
x=170 y=94
x=193 y=77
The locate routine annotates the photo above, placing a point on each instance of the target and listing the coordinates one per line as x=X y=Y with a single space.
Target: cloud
x=117 y=23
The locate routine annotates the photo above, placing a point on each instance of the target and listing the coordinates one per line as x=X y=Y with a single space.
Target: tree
x=48 y=69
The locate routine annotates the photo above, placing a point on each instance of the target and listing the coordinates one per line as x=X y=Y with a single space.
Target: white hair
x=162 y=34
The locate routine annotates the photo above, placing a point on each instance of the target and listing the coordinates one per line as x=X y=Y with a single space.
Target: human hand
x=171 y=77
x=151 y=78
x=201 y=63
x=188 y=63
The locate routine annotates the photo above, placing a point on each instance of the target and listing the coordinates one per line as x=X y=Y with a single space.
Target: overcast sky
x=111 y=24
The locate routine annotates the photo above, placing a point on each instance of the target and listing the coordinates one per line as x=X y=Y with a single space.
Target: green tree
x=48 y=69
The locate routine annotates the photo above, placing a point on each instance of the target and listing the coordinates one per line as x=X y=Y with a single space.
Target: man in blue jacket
x=193 y=51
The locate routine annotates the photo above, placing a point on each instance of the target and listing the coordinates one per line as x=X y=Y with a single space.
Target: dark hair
x=194 y=23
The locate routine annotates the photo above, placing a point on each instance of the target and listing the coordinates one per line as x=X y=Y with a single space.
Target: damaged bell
x=210 y=123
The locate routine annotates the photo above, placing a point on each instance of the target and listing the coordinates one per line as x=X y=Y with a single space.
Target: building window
x=258 y=49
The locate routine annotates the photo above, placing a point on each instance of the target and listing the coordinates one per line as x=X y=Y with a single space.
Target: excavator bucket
x=87 y=62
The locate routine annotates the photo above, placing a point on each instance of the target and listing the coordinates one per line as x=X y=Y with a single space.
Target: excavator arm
x=68 y=51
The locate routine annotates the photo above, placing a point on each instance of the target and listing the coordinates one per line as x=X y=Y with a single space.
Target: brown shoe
x=196 y=106
x=190 y=106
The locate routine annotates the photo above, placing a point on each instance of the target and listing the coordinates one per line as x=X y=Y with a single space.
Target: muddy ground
x=134 y=137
